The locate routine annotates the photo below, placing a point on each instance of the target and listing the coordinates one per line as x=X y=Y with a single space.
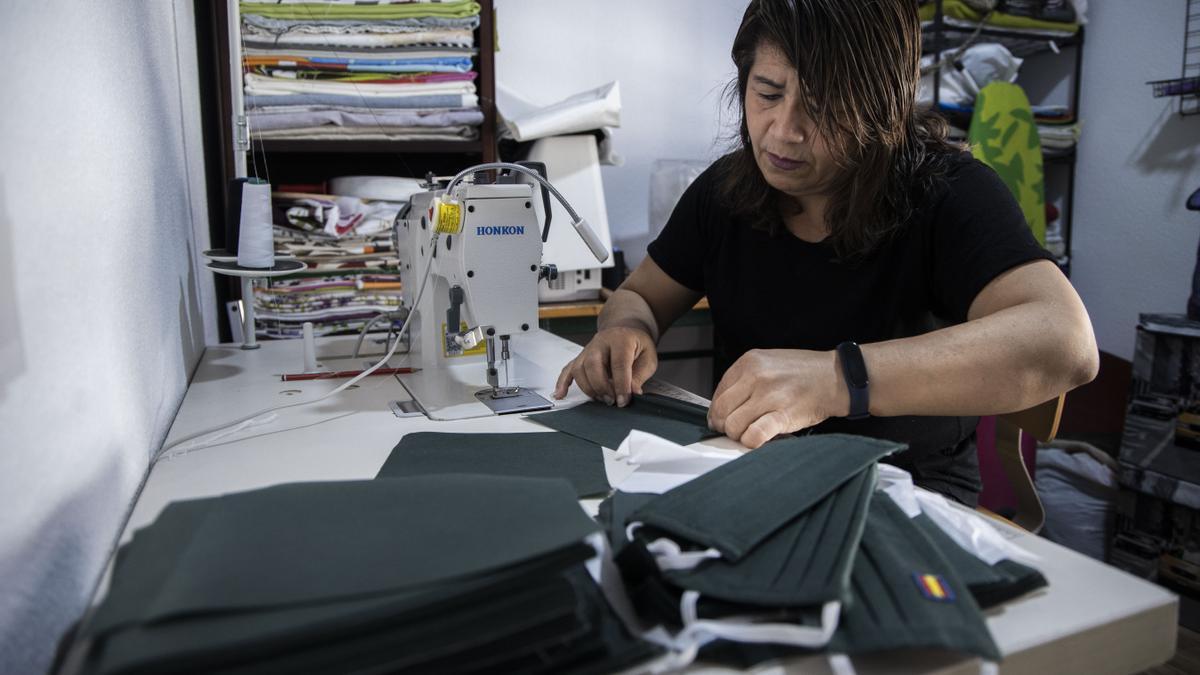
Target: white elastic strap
x=989 y=668
x=840 y=664
x=675 y=660
x=606 y=575
x=742 y=631
x=667 y=554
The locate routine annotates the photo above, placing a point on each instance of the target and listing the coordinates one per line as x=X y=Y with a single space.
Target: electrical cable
x=519 y=169
x=346 y=385
x=362 y=334
x=584 y=230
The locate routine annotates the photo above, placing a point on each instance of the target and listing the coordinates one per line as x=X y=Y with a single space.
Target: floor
x=1187 y=656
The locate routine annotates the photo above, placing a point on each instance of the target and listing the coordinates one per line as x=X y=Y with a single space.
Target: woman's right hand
x=612 y=367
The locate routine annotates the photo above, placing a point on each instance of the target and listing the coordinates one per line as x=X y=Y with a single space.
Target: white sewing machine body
x=488 y=275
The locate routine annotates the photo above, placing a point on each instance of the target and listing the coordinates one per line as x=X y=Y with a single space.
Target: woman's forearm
x=627 y=309
x=1010 y=360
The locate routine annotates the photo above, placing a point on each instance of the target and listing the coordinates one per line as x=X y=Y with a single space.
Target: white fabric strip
x=662 y=465
x=840 y=664
x=968 y=529
x=667 y=554
x=742 y=631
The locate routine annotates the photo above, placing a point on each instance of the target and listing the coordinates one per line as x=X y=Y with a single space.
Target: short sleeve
x=680 y=248
x=979 y=232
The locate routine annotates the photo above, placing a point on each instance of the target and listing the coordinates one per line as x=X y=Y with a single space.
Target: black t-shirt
x=780 y=292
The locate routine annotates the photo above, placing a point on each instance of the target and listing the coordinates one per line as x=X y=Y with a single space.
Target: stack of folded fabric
x=1029 y=24
x=352 y=273
x=451 y=573
x=333 y=304
x=384 y=70
x=1057 y=128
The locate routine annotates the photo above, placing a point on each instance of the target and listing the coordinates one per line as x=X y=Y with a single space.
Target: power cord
x=222 y=431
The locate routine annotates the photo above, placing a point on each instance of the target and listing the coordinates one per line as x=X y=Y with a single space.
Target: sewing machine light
x=446 y=216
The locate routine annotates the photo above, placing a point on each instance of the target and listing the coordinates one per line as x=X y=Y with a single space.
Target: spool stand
x=220 y=262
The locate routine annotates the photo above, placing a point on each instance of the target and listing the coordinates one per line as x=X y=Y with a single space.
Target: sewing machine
x=481 y=294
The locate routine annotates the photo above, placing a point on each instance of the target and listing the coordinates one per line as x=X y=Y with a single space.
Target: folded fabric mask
x=757 y=550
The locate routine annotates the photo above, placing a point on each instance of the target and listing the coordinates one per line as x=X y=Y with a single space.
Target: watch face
x=852 y=364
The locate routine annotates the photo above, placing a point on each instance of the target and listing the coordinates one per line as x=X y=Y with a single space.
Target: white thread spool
x=256 y=245
x=310 y=349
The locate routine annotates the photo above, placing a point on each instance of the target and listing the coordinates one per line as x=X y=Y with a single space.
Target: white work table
x=1091 y=619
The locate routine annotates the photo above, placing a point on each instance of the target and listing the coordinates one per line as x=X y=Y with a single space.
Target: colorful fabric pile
x=334 y=304
x=1027 y=24
x=352 y=273
x=1057 y=128
x=385 y=70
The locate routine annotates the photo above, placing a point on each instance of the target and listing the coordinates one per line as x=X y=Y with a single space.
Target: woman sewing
x=864 y=275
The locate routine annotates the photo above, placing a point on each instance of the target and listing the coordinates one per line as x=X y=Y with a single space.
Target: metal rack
x=939 y=36
x=1187 y=86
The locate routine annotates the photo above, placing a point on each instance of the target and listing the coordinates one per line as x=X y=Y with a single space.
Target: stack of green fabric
x=452 y=573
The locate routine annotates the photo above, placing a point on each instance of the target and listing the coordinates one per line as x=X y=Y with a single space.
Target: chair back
x=1040 y=422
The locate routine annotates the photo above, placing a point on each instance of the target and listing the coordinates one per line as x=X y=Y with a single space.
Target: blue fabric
x=420 y=101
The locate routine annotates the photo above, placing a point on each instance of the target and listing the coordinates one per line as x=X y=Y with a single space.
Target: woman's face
x=793 y=158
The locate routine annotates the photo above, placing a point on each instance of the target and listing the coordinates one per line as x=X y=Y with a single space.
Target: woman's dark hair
x=858 y=63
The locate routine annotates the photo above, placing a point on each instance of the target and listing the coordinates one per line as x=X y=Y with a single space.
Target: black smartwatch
x=855 y=370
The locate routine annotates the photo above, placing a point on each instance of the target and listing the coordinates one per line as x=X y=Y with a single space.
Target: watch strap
x=854 y=369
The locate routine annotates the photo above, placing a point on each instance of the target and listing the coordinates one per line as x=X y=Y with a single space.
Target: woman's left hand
x=768 y=392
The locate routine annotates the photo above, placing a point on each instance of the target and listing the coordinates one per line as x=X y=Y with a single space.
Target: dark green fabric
x=614 y=513
x=534 y=624
x=889 y=611
x=531 y=455
x=274 y=547
x=203 y=643
x=144 y=565
x=605 y=647
x=676 y=421
x=799 y=567
x=736 y=506
x=990 y=584
x=523 y=620
x=807 y=562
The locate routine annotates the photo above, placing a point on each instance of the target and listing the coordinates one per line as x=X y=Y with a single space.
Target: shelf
x=1019 y=43
x=940 y=33
x=473 y=147
x=1064 y=264
x=1059 y=156
x=1179 y=86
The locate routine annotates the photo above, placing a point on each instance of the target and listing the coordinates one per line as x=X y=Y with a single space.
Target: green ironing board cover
x=1004 y=136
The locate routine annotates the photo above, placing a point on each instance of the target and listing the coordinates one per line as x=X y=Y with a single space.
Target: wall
x=1135 y=244
x=101 y=182
x=672 y=60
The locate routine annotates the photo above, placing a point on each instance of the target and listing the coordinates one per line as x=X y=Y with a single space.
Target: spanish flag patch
x=934 y=587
